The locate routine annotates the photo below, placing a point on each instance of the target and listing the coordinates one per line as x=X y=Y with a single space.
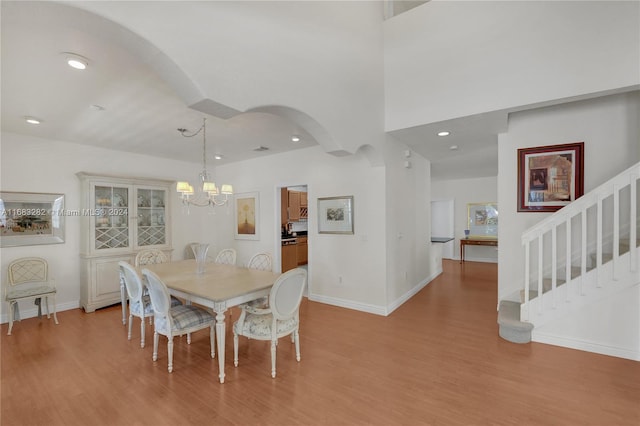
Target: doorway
x=294 y=209
x=442 y=224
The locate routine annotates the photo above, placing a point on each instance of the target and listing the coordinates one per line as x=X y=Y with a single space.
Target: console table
x=476 y=242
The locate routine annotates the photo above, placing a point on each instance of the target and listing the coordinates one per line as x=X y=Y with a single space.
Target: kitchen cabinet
x=289 y=257
x=302 y=251
x=304 y=206
x=284 y=207
x=294 y=206
x=120 y=217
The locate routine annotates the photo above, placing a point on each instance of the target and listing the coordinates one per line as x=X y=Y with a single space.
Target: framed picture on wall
x=247 y=212
x=482 y=219
x=30 y=218
x=550 y=177
x=335 y=215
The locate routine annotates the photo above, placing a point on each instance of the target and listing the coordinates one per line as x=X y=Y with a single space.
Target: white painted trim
x=402 y=299
x=375 y=309
x=583 y=345
x=32 y=313
x=349 y=304
x=478 y=259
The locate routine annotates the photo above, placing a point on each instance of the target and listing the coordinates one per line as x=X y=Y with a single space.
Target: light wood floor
x=437 y=360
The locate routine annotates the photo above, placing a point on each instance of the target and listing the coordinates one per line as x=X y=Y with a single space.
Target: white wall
x=464 y=191
x=410 y=263
x=38 y=165
x=449 y=59
x=611 y=134
x=359 y=259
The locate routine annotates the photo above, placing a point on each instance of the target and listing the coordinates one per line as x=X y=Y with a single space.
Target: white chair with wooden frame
x=173 y=321
x=280 y=319
x=29 y=280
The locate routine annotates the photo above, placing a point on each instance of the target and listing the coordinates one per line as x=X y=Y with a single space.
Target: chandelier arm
x=215 y=201
x=208 y=194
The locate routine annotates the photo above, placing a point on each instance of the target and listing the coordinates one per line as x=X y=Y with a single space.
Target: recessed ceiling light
x=295 y=138
x=218 y=157
x=453 y=147
x=32 y=120
x=76 y=61
x=443 y=133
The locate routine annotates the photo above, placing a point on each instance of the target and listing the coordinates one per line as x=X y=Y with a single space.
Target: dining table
x=219 y=288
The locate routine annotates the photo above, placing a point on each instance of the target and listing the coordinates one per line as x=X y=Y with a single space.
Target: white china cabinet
x=119 y=217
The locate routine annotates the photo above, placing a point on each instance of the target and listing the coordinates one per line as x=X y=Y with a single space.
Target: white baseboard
x=375 y=309
x=401 y=300
x=478 y=259
x=349 y=304
x=581 y=345
x=33 y=312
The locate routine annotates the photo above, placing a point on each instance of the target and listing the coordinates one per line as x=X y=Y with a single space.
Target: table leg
x=220 y=339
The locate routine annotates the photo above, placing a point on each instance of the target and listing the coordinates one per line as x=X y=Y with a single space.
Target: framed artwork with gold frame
x=247 y=212
x=482 y=220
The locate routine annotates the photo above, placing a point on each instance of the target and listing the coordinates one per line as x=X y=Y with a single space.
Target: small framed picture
x=482 y=219
x=247 y=209
x=335 y=215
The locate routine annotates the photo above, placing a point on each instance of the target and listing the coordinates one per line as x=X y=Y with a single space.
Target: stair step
x=510 y=326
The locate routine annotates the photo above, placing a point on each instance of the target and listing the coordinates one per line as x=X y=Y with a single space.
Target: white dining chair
x=260 y=262
x=150 y=257
x=139 y=302
x=226 y=256
x=144 y=257
x=29 y=280
x=281 y=318
x=174 y=321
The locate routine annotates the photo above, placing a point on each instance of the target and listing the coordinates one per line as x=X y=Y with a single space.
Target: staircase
x=582 y=254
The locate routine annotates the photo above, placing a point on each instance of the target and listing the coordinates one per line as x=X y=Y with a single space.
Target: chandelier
x=207 y=193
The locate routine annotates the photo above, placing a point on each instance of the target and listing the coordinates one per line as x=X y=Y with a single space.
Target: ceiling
x=120 y=103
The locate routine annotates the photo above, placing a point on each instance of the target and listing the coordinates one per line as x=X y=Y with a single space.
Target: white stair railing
x=605 y=217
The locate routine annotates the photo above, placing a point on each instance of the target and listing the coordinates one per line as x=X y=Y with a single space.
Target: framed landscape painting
x=30 y=218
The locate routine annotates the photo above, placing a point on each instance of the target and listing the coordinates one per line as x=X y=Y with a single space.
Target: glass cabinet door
x=111 y=217
x=151 y=229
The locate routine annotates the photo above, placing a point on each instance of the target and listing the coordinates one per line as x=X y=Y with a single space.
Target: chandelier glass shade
x=206 y=192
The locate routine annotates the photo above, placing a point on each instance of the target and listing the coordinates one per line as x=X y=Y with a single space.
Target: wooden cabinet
x=294 y=206
x=289 y=257
x=304 y=206
x=120 y=216
x=302 y=251
x=284 y=207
